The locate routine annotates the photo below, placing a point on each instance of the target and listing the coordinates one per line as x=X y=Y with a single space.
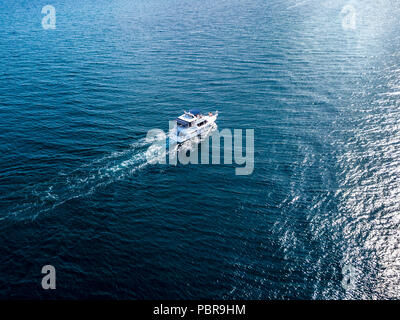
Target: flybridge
x=195 y=112
x=190 y=116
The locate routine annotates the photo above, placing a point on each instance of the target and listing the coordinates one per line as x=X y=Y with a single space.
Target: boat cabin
x=189 y=119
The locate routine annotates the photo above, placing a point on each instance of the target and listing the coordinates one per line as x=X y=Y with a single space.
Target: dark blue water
x=77 y=192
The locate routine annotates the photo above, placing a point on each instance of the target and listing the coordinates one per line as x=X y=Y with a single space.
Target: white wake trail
x=81 y=182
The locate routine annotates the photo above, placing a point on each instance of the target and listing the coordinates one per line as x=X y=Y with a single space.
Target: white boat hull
x=181 y=136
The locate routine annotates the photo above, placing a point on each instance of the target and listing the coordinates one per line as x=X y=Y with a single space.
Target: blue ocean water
x=76 y=191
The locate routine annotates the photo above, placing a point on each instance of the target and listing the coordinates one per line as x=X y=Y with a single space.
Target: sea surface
x=318 y=81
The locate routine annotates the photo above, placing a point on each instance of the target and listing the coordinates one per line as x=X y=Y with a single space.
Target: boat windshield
x=182 y=123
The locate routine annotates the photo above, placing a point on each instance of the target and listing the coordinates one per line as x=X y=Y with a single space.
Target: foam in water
x=82 y=181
